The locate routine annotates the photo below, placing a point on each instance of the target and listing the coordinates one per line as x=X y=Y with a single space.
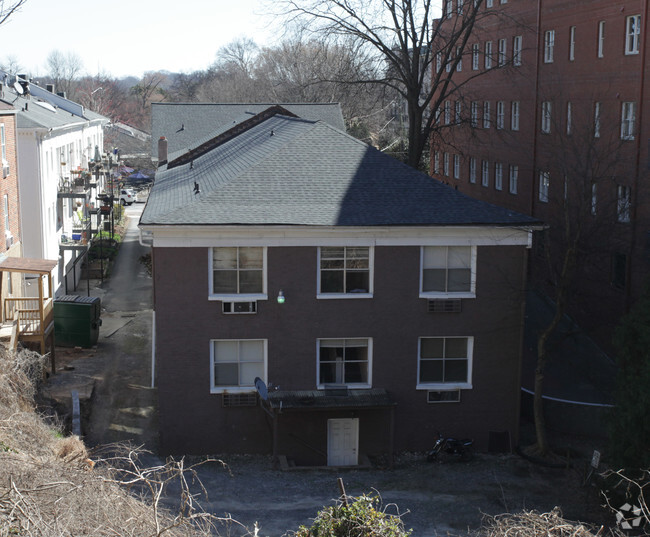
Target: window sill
x=238 y=298
x=329 y=296
x=233 y=389
x=431 y=296
x=344 y=386
x=444 y=386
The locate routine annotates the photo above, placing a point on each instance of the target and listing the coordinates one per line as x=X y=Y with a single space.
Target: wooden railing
x=32 y=319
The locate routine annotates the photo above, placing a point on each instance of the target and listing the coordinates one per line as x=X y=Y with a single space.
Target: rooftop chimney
x=162 y=151
x=49 y=87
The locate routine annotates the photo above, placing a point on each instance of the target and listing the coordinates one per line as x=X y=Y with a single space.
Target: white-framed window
x=438 y=61
x=485 y=173
x=474 y=114
x=572 y=43
x=514 y=116
x=234 y=364
x=601 y=39
x=445 y=164
x=501 y=115
x=632 y=34
x=3 y=143
x=544 y=181
x=448 y=64
x=628 y=117
x=456 y=166
x=546 y=117
x=458 y=108
x=514 y=177
x=345 y=362
x=448 y=271
x=489 y=3
x=446 y=8
x=498 y=176
x=459 y=55
x=502 y=58
x=345 y=271
x=5 y=200
x=549 y=45
x=476 y=54
x=459 y=6
x=597 y=120
x=623 y=202
x=486 y=114
x=516 y=50
x=436 y=162
x=447 y=112
x=445 y=362
x=594 y=199
x=472 y=170
x=488 y=54
x=238 y=272
x=569 y=118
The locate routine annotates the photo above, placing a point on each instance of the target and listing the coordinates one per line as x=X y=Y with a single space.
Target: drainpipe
x=537 y=67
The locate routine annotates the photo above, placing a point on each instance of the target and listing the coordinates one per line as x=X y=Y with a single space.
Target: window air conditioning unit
x=444 y=305
x=239 y=307
x=444 y=396
x=5 y=169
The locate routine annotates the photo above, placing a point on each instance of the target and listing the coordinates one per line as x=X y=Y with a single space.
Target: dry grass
x=50 y=487
x=534 y=524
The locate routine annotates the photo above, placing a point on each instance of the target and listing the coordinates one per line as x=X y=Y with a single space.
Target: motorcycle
x=451 y=447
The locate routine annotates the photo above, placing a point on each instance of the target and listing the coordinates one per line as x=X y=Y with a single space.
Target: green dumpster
x=76 y=320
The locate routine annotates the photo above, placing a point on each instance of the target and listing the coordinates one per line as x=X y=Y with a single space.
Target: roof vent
x=272 y=132
x=197 y=190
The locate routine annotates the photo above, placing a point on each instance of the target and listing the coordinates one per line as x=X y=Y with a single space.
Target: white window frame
x=513 y=179
x=458 y=107
x=597 y=120
x=623 y=203
x=459 y=55
x=447 y=112
x=237 y=297
x=472 y=170
x=344 y=295
x=628 y=120
x=476 y=54
x=502 y=54
x=3 y=142
x=467 y=385
x=438 y=61
x=572 y=43
x=486 y=114
x=569 y=118
x=456 y=166
x=546 y=117
x=449 y=294
x=498 y=175
x=485 y=173
x=516 y=50
x=544 y=183
x=445 y=164
x=357 y=385
x=501 y=115
x=514 y=116
x=549 y=45
x=601 y=39
x=239 y=388
x=488 y=54
x=489 y=3
x=474 y=114
x=459 y=7
x=5 y=200
x=436 y=162
x=632 y=34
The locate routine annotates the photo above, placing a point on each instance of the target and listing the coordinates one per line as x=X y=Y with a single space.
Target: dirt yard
x=435 y=499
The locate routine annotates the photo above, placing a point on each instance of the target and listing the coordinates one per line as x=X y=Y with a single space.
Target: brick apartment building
x=553 y=126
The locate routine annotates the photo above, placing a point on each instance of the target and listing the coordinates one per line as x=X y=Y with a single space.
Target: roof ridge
x=231 y=133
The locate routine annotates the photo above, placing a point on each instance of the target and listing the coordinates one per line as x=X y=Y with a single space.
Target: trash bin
x=77 y=320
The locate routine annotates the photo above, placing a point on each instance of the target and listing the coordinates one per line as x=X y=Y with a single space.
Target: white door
x=342 y=442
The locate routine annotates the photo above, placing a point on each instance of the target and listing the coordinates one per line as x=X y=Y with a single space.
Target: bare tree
x=9 y=8
x=413 y=54
x=63 y=71
x=11 y=64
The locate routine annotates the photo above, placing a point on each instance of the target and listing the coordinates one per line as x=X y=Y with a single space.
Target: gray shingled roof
x=290 y=171
x=186 y=124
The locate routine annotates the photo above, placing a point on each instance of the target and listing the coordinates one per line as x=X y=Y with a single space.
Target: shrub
x=363 y=517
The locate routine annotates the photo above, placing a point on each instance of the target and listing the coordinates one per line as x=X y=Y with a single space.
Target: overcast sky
x=129 y=37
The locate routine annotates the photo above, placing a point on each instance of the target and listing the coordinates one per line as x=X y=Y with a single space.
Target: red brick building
x=553 y=126
x=10 y=246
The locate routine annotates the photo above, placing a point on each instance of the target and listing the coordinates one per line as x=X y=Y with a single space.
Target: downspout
x=637 y=164
x=537 y=67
